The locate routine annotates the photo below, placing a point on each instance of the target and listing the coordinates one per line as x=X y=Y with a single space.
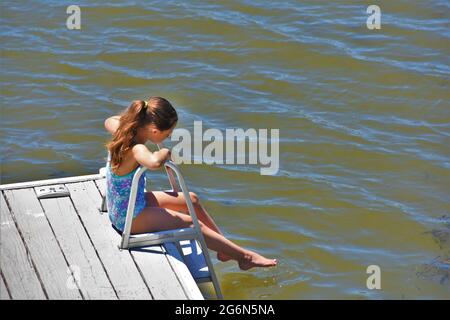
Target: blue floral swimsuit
x=118 y=194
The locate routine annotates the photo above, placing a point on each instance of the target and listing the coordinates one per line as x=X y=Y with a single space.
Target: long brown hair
x=140 y=113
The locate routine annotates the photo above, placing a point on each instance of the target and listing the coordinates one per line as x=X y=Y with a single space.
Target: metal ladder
x=129 y=241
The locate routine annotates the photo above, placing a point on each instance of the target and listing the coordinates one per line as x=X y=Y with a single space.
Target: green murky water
x=363 y=118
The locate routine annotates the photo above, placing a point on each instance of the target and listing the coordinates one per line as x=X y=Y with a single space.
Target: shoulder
x=145 y=157
x=112 y=119
x=139 y=149
x=112 y=123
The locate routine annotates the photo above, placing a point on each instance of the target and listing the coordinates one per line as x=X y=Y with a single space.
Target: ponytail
x=140 y=113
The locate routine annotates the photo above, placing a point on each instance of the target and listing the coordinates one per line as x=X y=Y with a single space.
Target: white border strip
x=37 y=183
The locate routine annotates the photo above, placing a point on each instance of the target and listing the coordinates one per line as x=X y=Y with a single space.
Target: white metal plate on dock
x=54 y=191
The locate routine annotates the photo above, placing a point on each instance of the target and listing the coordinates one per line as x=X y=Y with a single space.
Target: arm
x=148 y=159
x=112 y=123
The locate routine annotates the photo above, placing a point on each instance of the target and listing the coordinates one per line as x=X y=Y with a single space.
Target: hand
x=165 y=154
x=169 y=155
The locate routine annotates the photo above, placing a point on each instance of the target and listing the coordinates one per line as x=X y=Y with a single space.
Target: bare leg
x=204 y=217
x=158 y=219
x=176 y=201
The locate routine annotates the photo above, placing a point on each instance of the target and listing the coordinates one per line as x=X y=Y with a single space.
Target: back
x=118 y=190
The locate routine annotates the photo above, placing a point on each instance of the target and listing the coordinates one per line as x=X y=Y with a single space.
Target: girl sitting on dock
x=154 y=120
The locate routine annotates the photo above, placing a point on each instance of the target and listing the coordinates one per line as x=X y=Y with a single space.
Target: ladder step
x=148 y=239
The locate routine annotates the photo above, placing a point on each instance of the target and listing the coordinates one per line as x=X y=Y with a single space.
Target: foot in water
x=252 y=259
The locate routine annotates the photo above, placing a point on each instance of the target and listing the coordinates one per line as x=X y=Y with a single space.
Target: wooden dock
x=65 y=248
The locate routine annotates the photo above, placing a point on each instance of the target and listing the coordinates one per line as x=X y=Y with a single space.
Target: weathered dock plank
x=32 y=184
x=119 y=264
x=4 y=295
x=42 y=245
x=78 y=249
x=101 y=185
x=153 y=261
x=181 y=270
x=16 y=265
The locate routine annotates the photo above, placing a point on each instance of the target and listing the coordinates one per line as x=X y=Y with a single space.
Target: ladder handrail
x=197 y=228
x=133 y=194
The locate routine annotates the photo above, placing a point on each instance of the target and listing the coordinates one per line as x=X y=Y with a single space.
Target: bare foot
x=252 y=259
x=223 y=257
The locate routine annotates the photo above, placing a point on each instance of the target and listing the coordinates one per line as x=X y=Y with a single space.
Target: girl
x=154 y=120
